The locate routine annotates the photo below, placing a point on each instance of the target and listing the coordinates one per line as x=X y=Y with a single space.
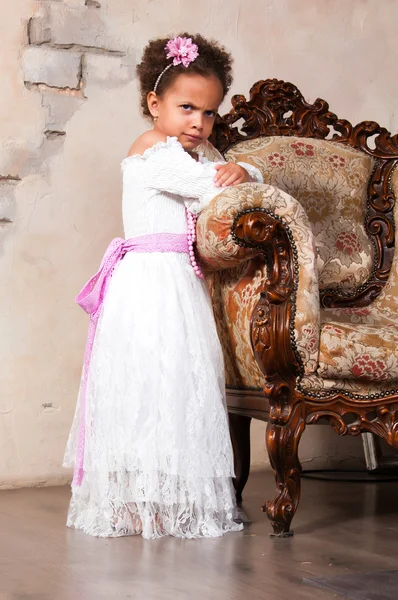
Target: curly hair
x=213 y=60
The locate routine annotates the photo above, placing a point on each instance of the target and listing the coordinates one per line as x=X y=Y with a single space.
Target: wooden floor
x=339 y=528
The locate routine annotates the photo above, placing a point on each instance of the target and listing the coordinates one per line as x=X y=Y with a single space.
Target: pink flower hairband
x=182 y=50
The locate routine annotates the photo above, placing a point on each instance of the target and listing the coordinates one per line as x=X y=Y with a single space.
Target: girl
x=150 y=441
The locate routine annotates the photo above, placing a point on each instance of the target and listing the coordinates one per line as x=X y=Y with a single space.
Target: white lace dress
x=158 y=458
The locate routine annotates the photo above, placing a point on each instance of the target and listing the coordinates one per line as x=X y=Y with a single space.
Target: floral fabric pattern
x=241 y=274
x=361 y=352
x=330 y=181
x=236 y=293
x=384 y=310
x=352 y=349
x=314 y=384
x=362 y=343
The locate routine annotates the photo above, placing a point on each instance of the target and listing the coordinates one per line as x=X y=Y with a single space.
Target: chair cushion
x=384 y=310
x=314 y=384
x=362 y=343
x=360 y=352
x=330 y=181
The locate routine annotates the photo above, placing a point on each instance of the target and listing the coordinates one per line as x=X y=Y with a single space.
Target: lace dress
x=158 y=458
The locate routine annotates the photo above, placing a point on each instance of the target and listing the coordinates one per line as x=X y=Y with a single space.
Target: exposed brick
x=60 y=109
x=56 y=68
x=7 y=201
x=9 y=178
x=50 y=134
x=39 y=31
x=112 y=71
x=65 y=25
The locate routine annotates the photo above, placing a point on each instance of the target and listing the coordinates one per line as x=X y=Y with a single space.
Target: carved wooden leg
x=283 y=437
x=240 y=436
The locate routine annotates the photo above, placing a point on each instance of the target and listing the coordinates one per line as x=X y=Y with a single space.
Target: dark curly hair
x=213 y=60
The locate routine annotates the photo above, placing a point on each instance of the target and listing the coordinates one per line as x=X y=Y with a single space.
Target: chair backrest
x=385 y=308
x=330 y=167
x=330 y=182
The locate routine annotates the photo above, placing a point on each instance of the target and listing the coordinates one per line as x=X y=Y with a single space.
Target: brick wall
x=69 y=46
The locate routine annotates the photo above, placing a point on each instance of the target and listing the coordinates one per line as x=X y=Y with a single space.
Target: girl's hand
x=230 y=174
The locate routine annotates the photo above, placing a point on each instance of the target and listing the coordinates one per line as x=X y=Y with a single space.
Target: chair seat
x=358 y=351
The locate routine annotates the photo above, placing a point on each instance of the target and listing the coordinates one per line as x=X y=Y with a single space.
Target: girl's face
x=187 y=109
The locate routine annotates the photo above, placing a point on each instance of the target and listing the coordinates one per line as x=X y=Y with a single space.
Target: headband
x=182 y=50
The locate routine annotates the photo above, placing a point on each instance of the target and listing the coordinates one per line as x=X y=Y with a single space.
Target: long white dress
x=158 y=458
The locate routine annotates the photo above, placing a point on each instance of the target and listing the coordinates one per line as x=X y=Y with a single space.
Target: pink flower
x=182 y=50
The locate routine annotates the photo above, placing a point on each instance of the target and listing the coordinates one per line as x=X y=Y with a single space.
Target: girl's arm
x=255 y=174
x=231 y=173
x=208 y=149
x=165 y=166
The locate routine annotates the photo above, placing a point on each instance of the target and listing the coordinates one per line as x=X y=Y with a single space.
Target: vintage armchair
x=303 y=273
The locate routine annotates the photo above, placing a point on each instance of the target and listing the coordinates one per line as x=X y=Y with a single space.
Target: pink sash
x=91 y=299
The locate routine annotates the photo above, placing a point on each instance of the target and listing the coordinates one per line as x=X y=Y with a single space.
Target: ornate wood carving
x=277 y=108
x=374 y=415
x=271 y=330
x=284 y=431
x=271 y=322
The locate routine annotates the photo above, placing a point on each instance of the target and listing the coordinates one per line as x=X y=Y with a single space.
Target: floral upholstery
x=362 y=343
x=235 y=293
x=313 y=383
x=236 y=290
x=330 y=181
x=362 y=352
x=354 y=350
x=384 y=310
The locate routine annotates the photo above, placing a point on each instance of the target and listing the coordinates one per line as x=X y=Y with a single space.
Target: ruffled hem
x=117 y=505
x=153 y=521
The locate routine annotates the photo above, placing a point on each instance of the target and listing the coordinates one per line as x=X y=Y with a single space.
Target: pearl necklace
x=191 y=235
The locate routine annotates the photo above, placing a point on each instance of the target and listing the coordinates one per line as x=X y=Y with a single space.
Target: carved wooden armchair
x=304 y=279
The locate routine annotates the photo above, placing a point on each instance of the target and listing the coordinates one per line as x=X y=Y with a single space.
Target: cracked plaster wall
x=69 y=112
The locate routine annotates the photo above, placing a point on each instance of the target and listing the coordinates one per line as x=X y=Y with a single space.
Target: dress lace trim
x=159 y=146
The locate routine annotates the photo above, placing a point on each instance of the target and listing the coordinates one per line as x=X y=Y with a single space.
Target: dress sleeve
x=166 y=167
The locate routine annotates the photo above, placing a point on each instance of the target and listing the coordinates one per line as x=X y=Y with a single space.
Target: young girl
x=150 y=441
